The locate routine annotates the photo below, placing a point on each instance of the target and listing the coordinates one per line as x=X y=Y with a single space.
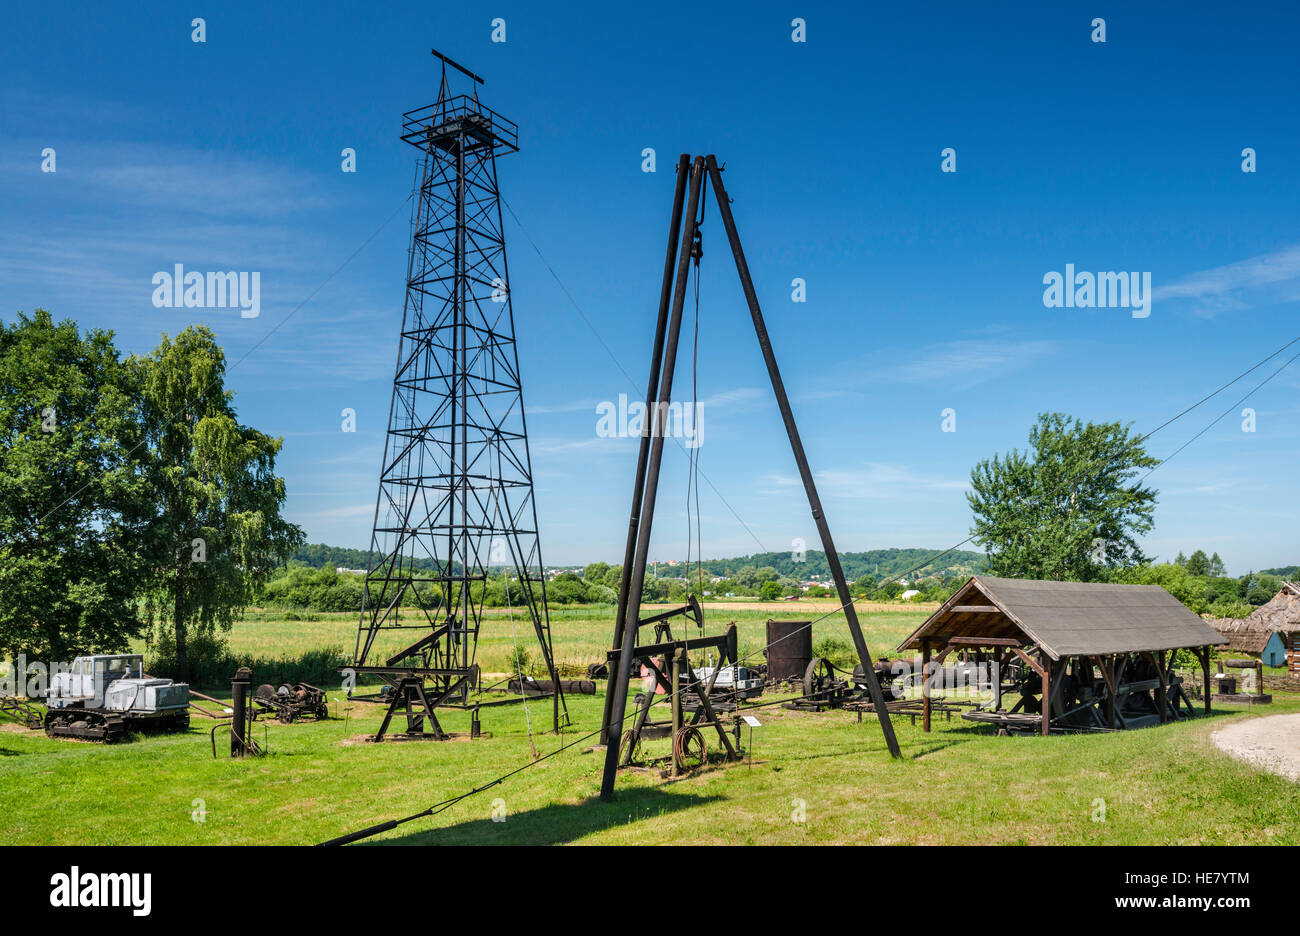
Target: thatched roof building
x=1252 y=636
x=1282 y=612
x=1282 y=616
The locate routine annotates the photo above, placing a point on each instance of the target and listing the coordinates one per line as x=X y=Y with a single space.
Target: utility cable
x=1168 y=422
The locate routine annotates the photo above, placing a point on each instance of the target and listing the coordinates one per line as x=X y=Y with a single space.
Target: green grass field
x=815 y=778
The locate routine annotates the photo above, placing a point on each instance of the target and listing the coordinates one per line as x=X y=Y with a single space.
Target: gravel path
x=1271 y=743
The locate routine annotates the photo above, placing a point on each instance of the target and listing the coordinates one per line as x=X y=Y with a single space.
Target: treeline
x=303 y=588
x=311 y=580
x=878 y=563
x=300 y=587
x=1289 y=573
x=320 y=556
x=1196 y=580
x=1193 y=581
x=212 y=662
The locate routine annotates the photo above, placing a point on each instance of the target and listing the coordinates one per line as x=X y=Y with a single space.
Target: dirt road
x=1271 y=743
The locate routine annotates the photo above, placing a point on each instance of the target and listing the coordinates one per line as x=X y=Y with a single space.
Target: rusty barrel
x=789 y=648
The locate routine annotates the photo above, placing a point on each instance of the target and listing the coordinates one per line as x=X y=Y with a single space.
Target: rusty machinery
x=291 y=701
x=684 y=248
x=668 y=662
x=22 y=710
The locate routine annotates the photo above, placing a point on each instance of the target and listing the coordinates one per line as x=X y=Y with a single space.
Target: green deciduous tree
x=218 y=530
x=72 y=492
x=1068 y=508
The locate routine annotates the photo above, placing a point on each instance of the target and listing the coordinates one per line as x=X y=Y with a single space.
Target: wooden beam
x=974 y=609
x=1204 y=654
x=1162 y=691
x=1107 y=666
x=985 y=642
x=1058 y=683
x=1030 y=661
x=1046 y=707
x=925 y=685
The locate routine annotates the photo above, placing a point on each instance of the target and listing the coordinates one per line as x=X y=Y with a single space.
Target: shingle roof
x=1068 y=618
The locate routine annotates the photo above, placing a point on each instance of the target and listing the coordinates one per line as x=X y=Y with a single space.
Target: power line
x=1141 y=439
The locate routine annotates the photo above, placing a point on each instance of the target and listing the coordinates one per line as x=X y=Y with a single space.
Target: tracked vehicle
x=103 y=697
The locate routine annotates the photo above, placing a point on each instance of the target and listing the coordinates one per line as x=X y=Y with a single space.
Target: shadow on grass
x=933 y=747
x=559 y=824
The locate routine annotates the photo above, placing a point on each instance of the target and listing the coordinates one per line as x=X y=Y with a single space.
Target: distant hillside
x=320 y=555
x=878 y=563
x=1290 y=573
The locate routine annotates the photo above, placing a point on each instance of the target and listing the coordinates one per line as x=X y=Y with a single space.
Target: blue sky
x=924 y=288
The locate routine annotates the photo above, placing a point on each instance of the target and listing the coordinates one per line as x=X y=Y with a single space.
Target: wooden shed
x=1282 y=615
x=1098 y=653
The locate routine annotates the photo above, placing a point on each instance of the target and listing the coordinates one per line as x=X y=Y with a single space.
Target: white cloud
x=871 y=480
x=963 y=363
x=333 y=513
x=1257 y=280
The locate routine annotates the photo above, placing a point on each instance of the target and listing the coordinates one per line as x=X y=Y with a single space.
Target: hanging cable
x=1168 y=422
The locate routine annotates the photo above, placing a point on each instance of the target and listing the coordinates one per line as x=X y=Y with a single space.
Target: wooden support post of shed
x=1204 y=654
x=1046 y=707
x=925 y=685
x=1162 y=690
x=1106 y=665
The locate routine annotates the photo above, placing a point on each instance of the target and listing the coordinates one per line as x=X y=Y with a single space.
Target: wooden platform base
x=1241 y=698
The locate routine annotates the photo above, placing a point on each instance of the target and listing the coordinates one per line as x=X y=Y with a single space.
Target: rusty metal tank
x=789 y=648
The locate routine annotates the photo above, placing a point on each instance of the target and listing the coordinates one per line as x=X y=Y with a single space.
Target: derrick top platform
x=463 y=116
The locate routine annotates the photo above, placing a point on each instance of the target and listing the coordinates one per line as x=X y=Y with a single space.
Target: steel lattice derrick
x=455 y=503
